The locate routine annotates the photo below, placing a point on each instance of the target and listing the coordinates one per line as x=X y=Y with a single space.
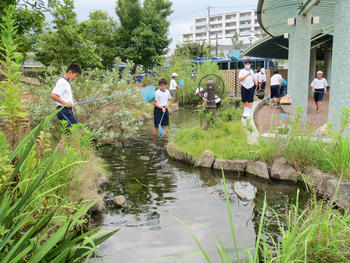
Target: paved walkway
x=266 y=117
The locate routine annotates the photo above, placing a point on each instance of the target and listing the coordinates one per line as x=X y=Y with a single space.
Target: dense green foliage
x=39 y=219
x=193 y=50
x=110 y=121
x=12 y=114
x=142 y=35
x=28 y=18
x=65 y=44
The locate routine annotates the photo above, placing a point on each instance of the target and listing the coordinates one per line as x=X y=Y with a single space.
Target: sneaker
x=317 y=111
x=245 y=113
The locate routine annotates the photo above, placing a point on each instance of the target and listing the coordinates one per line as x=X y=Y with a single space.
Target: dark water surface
x=155 y=186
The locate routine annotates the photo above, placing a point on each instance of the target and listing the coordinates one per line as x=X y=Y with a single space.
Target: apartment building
x=224 y=26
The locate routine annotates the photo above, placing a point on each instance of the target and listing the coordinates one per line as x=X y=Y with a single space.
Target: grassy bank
x=225 y=136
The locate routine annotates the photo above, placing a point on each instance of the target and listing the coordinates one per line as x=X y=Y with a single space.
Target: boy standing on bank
x=161 y=105
x=62 y=94
x=248 y=82
x=319 y=88
x=174 y=86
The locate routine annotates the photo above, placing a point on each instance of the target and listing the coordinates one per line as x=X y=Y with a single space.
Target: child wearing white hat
x=174 y=86
x=319 y=88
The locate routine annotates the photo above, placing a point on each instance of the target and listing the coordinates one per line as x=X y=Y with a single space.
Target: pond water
x=156 y=188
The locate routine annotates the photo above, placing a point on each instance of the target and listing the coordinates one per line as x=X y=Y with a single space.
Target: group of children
x=250 y=81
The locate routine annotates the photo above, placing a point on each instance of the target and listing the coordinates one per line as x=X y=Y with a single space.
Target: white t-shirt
x=276 y=80
x=173 y=84
x=217 y=98
x=64 y=90
x=248 y=82
x=162 y=97
x=319 y=83
x=262 y=77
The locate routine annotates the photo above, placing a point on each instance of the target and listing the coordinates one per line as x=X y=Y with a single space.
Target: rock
x=318 y=180
x=180 y=156
x=206 y=159
x=245 y=190
x=119 y=200
x=230 y=165
x=258 y=169
x=221 y=195
x=342 y=197
x=281 y=170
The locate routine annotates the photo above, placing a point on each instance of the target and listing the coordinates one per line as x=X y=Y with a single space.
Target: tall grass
x=29 y=235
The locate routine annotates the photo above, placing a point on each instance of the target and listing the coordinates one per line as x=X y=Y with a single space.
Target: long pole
x=209 y=25
x=216 y=45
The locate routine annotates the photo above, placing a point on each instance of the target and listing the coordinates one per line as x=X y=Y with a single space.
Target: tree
x=66 y=44
x=237 y=44
x=101 y=30
x=142 y=35
x=28 y=18
x=193 y=50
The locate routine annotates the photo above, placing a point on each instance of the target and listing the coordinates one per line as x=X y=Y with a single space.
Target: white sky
x=181 y=19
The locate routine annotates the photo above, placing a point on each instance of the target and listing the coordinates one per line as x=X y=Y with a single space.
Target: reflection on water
x=155 y=186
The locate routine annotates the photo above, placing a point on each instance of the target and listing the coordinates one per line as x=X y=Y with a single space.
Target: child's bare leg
x=164 y=130
x=155 y=131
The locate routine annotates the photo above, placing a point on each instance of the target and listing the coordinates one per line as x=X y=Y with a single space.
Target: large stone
x=174 y=107
x=178 y=155
x=258 y=169
x=230 y=165
x=245 y=190
x=317 y=180
x=119 y=200
x=206 y=159
x=281 y=170
x=341 y=196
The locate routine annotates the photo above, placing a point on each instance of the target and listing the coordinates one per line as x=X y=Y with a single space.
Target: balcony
x=201 y=23
x=201 y=30
x=245 y=25
x=245 y=18
x=231 y=25
x=245 y=34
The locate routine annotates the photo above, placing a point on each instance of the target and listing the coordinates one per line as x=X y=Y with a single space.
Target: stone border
x=325 y=184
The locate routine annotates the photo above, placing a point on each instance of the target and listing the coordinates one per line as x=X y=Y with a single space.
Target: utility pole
x=209 y=7
x=216 y=45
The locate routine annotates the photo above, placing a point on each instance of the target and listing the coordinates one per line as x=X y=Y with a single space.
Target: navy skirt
x=158 y=113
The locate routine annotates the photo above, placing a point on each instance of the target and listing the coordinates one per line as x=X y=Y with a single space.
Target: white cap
x=262 y=70
x=199 y=90
x=320 y=72
x=174 y=75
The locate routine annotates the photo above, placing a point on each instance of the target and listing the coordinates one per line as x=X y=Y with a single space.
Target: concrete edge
x=250 y=125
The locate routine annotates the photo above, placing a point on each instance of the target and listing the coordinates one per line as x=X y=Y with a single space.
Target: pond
x=156 y=188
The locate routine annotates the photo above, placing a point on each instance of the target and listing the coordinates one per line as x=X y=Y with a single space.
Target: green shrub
x=110 y=120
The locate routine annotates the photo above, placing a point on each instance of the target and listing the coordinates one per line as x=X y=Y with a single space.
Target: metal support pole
x=328 y=65
x=299 y=62
x=211 y=89
x=339 y=95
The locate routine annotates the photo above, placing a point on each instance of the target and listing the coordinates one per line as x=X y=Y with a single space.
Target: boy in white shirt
x=174 y=86
x=62 y=94
x=319 y=88
x=248 y=82
x=262 y=79
x=275 y=88
x=161 y=105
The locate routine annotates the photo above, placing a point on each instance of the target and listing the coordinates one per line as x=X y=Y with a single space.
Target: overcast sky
x=180 y=20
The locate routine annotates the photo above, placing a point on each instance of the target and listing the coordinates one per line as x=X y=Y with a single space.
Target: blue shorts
x=66 y=114
x=247 y=94
x=275 y=91
x=158 y=113
x=318 y=95
x=263 y=85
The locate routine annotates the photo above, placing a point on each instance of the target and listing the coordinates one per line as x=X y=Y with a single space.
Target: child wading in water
x=161 y=105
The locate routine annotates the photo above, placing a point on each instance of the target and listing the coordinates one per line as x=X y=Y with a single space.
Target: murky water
x=156 y=188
